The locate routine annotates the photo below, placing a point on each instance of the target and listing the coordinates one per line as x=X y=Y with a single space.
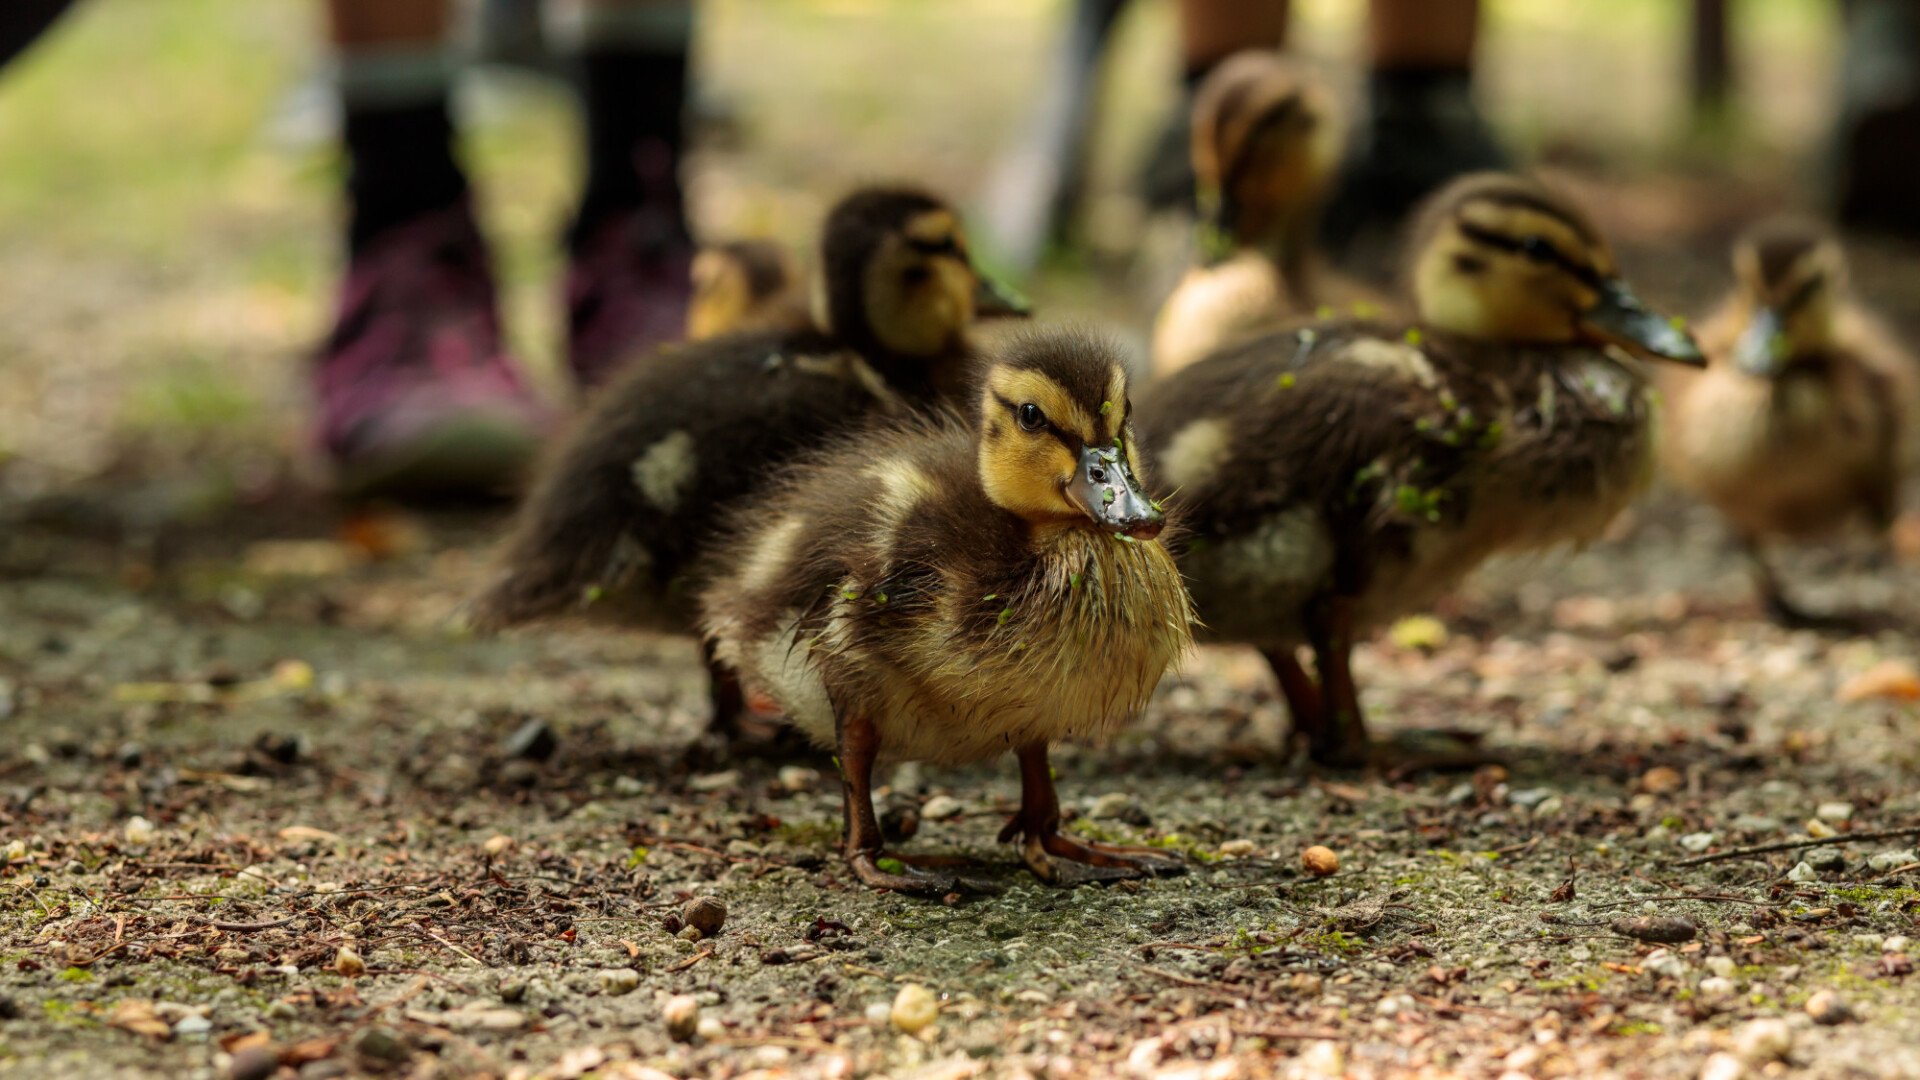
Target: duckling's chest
x=1067 y=647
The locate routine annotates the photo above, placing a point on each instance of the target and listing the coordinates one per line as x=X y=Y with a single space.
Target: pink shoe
x=627 y=292
x=416 y=396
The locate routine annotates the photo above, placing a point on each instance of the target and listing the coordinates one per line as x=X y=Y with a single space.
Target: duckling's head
x=1501 y=258
x=896 y=274
x=1791 y=277
x=735 y=283
x=1266 y=141
x=1056 y=436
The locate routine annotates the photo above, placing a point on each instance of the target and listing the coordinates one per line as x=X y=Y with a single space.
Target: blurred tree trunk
x=1712 y=59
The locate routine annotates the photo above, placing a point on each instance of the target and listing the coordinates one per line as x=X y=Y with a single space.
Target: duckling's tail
x=569 y=545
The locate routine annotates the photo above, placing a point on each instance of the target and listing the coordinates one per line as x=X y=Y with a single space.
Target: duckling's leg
x=1301 y=692
x=1058 y=859
x=729 y=700
x=859 y=744
x=1340 y=739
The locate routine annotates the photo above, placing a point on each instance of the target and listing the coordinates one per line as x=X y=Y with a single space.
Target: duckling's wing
x=637 y=486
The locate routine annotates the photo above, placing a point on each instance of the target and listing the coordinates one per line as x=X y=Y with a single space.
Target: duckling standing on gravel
x=743 y=286
x=620 y=510
x=1339 y=475
x=1266 y=141
x=1799 y=423
x=942 y=592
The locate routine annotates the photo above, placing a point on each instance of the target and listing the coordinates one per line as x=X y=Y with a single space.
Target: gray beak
x=1621 y=319
x=1105 y=489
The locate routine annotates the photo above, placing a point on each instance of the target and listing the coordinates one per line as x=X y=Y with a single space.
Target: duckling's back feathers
x=637 y=484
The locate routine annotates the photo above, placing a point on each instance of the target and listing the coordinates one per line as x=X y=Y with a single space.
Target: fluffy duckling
x=743 y=286
x=946 y=592
x=621 y=508
x=1336 y=476
x=1796 y=427
x=1266 y=142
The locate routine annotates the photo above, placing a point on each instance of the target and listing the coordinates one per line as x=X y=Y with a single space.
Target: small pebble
x=192 y=1028
x=710 y=1028
x=1720 y=965
x=879 y=1013
x=941 y=808
x=1801 y=874
x=1661 y=780
x=706 y=914
x=1892 y=860
x=282 y=1009
x=1765 y=1040
x=1722 y=1066
x=1324 y=1058
x=139 y=831
x=381 y=1044
x=1897 y=943
x=348 y=963
x=798 y=778
x=1236 y=849
x=497 y=845
x=1820 y=830
x=617 y=981
x=1827 y=860
x=1827 y=1007
x=513 y=991
x=689 y=933
x=914 y=1007
x=1834 y=813
x=1697 y=842
x=682 y=1015
x=533 y=741
x=1718 y=986
x=1320 y=861
x=254 y=1063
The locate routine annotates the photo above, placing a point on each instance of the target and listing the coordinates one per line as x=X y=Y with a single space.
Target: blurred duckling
x=947 y=592
x=1339 y=475
x=745 y=286
x=1798 y=425
x=621 y=508
x=1267 y=139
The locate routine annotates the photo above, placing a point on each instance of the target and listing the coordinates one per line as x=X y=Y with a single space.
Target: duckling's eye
x=915 y=275
x=1537 y=248
x=1030 y=417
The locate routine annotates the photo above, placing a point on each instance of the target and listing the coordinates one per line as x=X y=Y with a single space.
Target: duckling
x=947 y=592
x=1267 y=137
x=745 y=285
x=623 y=505
x=1797 y=425
x=1338 y=475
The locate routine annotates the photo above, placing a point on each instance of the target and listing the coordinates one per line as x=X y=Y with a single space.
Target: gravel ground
x=258 y=813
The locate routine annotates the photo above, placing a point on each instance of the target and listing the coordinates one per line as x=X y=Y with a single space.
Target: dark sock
x=634 y=102
x=400 y=166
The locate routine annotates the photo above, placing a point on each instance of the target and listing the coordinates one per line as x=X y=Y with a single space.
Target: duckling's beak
x=1104 y=488
x=1621 y=319
x=995 y=299
x=1762 y=350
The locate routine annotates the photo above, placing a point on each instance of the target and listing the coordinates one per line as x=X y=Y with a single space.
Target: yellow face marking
x=1475 y=277
x=1027 y=471
x=1114 y=418
x=919 y=301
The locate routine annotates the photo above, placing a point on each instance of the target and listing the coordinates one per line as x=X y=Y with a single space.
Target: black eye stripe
x=1802 y=295
x=1544 y=253
x=946 y=245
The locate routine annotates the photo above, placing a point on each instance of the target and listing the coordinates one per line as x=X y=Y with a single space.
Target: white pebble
x=617 y=981
x=710 y=1028
x=682 y=1015
x=1720 y=965
x=914 y=1007
x=1722 y=1066
x=1719 y=986
x=139 y=831
x=1323 y=1058
x=1820 y=830
x=1892 y=860
x=1801 y=874
x=1765 y=1040
x=1897 y=943
x=1834 y=812
x=879 y=1013
x=941 y=807
x=1698 y=841
x=798 y=778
